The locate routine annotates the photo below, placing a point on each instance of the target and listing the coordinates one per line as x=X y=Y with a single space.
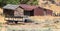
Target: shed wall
x=49 y=12
x=38 y=12
x=18 y=12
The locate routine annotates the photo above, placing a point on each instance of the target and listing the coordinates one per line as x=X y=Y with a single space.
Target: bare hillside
x=50 y=4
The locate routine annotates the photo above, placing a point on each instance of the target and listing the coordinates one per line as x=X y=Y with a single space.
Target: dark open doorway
x=29 y=13
x=8 y=12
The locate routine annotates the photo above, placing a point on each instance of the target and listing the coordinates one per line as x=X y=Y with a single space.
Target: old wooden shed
x=24 y=9
x=28 y=9
x=12 y=10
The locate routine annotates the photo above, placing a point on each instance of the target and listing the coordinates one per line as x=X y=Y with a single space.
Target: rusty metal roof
x=27 y=7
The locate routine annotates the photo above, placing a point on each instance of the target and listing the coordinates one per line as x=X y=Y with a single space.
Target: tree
x=30 y=2
x=4 y=2
x=13 y=1
x=23 y=1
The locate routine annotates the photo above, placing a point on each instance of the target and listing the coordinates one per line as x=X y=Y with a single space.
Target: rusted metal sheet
x=38 y=11
x=41 y=11
x=27 y=7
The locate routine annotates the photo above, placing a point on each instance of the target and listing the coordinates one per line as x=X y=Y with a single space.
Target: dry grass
x=1 y=17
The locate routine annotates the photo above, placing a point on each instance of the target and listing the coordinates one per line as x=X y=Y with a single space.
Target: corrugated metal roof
x=27 y=7
x=10 y=6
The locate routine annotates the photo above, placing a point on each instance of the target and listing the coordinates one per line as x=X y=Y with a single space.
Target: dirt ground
x=55 y=26
x=1 y=17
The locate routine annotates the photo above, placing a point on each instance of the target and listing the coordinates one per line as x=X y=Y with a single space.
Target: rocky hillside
x=50 y=4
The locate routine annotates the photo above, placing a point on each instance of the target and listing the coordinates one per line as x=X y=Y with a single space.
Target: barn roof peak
x=11 y=6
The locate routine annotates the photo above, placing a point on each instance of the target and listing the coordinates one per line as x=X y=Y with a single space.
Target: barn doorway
x=45 y=12
x=8 y=12
x=29 y=13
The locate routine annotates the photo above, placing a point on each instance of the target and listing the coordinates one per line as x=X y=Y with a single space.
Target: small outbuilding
x=12 y=10
x=28 y=9
x=31 y=10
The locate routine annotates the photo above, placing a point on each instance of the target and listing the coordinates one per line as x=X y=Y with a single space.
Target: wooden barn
x=28 y=9
x=35 y=10
x=24 y=9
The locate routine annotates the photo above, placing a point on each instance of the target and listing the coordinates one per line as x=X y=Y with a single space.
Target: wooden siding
x=19 y=12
